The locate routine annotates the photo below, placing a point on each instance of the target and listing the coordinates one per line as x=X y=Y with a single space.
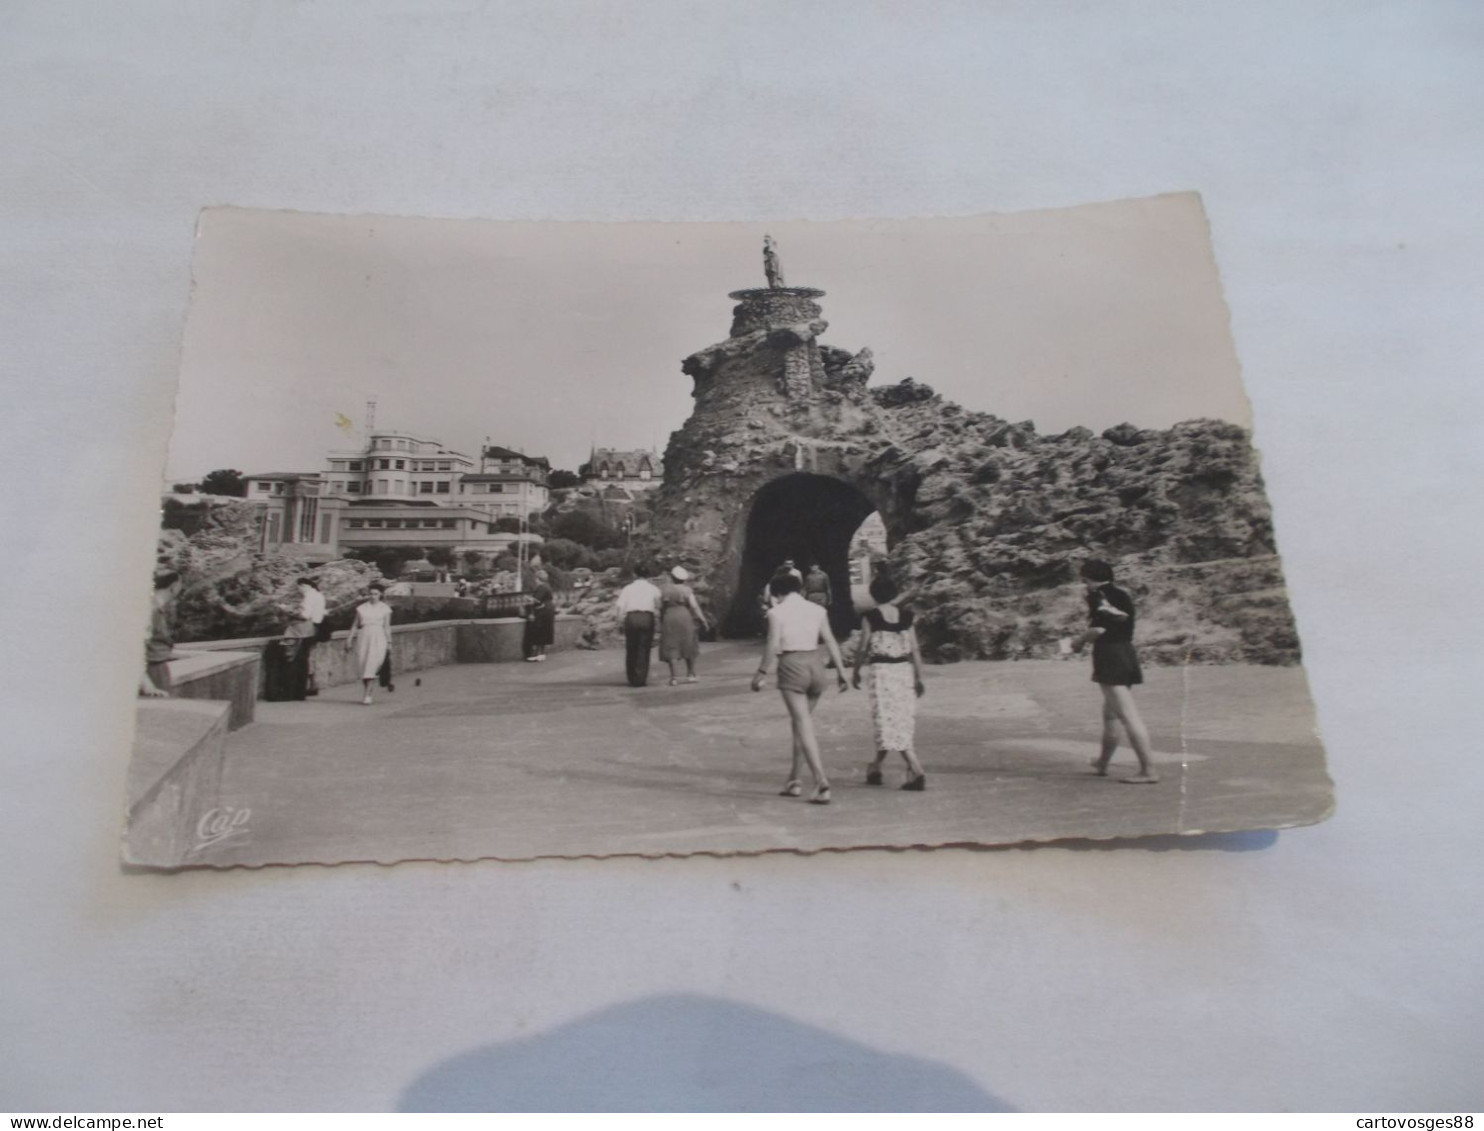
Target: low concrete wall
x=414 y=647
x=233 y=676
x=174 y=782
x=499 y=641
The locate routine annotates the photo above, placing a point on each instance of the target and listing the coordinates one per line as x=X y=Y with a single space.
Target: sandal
x=792 y=788
x=821 y=795
x=873 y=777
x=917 y=784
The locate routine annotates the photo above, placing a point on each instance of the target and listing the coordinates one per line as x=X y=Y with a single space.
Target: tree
x=608 y=559
x=441 y=558
x=183 y=488
x=188 y=518
x=589 y=530
x=224 y=481
x=473 y=560
x=560 y=478
x=566 y=554
x=507 y=525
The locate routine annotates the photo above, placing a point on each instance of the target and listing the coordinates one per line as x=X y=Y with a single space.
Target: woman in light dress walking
x=680 y=614
x=371 y=637
x=889 y=644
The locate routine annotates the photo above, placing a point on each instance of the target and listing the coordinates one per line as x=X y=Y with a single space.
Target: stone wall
x=499 y=641
x=415 y=647
x=230 y=676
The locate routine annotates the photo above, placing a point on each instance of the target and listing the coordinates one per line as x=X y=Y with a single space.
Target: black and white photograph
x=501 y=540
x=683 y=556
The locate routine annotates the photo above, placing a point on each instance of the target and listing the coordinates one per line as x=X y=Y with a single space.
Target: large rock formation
x=230 y=590
x=788 y=449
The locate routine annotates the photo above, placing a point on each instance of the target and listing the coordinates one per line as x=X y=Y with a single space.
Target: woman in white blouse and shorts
x=796 y=628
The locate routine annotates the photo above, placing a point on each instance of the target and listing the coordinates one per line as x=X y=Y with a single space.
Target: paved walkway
x=564 y=759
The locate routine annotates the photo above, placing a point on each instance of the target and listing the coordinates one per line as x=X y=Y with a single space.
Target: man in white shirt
x=638 y=608
x=304 y=631
x=796 y=629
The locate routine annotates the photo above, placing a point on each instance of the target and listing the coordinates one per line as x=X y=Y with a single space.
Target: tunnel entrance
x=810 y=519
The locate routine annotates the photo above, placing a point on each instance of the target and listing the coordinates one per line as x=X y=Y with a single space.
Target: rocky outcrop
x=231 y=591
x=1005 y=518
x=988 y=519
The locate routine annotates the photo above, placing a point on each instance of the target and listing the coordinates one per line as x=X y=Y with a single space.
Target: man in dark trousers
x=638 y=609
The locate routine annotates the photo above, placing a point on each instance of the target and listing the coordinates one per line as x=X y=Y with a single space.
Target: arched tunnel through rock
x=808 y=518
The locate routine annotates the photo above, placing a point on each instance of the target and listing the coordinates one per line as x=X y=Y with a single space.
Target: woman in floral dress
x=889 y=644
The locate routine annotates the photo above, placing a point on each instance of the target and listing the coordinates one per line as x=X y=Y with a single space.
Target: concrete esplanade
x=180 y=744
x=516 y=761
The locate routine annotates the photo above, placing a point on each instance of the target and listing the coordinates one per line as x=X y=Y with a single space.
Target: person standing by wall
x=159 y=646
x=638 y=610
x=301 y=635
x=540 y=620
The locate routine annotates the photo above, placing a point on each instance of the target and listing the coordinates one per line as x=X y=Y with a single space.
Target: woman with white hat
x=679 y=615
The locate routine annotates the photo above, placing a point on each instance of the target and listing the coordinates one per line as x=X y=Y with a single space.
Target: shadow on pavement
x=691 y=1053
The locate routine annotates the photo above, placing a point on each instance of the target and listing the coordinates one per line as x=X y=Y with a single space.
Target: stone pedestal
x=792 y=320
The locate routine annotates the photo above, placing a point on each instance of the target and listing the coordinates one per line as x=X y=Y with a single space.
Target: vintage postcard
x=501 y=540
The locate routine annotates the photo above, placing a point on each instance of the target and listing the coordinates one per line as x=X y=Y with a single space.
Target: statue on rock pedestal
x=771 y=267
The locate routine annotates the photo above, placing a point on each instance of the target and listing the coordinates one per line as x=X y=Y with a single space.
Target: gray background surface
x=1337 y=148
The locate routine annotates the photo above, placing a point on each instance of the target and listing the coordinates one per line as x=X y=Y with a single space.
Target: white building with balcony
x=397 y=465
x=401 y=489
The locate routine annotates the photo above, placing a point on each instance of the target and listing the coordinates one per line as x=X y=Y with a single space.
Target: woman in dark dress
x=1115 y=669
x=540 y=620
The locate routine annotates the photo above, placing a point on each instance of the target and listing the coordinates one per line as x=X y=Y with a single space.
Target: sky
x=553 y=337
